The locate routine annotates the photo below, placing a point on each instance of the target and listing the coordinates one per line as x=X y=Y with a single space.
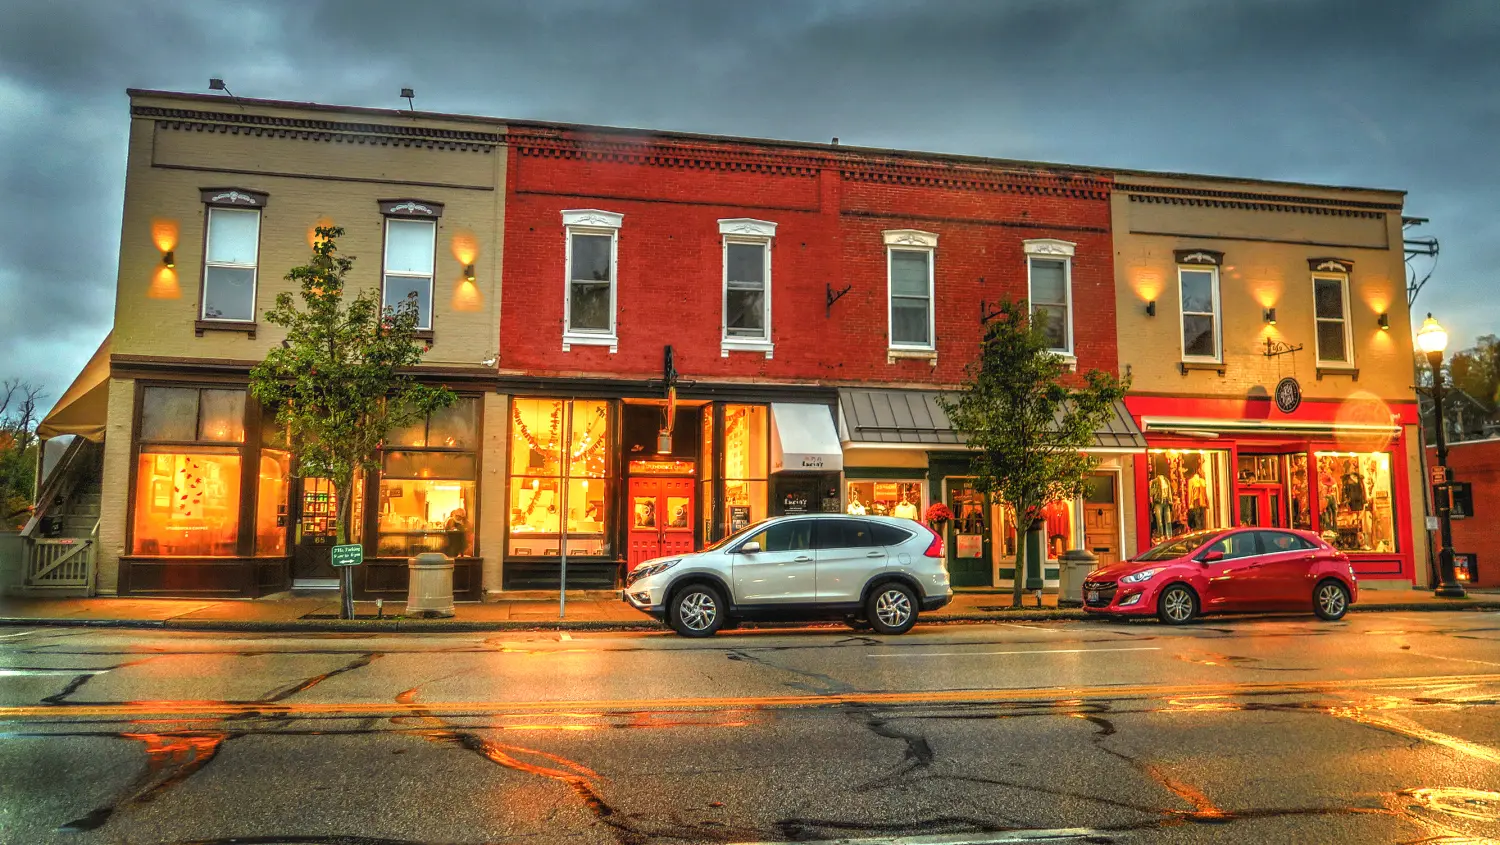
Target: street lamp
x=1432 y=338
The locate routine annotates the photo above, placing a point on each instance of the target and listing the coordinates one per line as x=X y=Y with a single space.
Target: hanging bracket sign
x=350 y=555
x=1288 y=395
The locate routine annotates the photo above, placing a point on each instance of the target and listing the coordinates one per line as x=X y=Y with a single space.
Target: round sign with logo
x=1288 y=395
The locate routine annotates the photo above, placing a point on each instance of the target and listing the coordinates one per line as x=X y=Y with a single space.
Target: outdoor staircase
x=62 y=536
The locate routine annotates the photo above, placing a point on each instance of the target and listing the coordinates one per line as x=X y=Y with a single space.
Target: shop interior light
x=169 y=259
x=1270 y=316
x=1384 y=322
x=1151 y=308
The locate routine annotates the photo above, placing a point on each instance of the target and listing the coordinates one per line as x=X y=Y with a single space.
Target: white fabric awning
x=803 y=439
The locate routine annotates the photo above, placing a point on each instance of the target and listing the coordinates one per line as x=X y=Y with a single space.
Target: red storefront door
x=661 y=518
x=1260 y=507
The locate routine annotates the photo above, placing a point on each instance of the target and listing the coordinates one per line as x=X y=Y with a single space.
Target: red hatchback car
x=1238 y=569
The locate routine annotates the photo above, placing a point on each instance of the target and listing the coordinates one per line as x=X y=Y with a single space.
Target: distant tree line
x=18 y=449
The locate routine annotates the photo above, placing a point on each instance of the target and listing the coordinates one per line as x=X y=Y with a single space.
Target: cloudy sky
x=1355 y=92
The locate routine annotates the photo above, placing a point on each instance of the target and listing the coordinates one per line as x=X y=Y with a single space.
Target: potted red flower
x=938 y=514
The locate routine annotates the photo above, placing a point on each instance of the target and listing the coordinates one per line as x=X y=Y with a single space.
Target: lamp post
x=1433 y=339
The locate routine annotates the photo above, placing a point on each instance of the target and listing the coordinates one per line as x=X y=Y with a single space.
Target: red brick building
x=1476 y=537
x=808 y=299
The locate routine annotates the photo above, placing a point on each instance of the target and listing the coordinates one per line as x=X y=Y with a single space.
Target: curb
x=437 y=626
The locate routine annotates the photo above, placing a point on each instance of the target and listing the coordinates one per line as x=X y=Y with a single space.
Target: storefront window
x=746 y=457
x=1298 y=490
x=901 y=499
x=187 y=493
x=705 y=501
x=552 y=440
x=1059 y=527
x=1187 y=490
x=271 y=502
x=427 y=485
x=1354 y=494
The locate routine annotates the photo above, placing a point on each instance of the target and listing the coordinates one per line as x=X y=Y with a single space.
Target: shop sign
x=794 y=502
x=739 y=518
x=1439 y=475
x=350 y=555
x=1288 y=395
x=971 y=545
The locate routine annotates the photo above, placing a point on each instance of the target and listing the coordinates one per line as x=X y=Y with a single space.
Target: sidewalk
x=595 y=610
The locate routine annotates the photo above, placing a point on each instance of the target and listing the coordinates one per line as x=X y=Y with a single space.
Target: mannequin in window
x=1197 y=500
x=904 y=509
x=1352 y=485
x=1160 y=490
x=856 y=507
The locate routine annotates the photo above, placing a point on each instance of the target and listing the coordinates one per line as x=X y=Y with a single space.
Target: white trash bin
x=429 y=592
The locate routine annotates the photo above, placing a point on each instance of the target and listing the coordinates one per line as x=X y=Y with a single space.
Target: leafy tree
x=1476 y=370
x=1024 y=426
x=18 y=449
x=341 y=380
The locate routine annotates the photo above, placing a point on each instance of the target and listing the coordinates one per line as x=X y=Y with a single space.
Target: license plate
x=1093 y=595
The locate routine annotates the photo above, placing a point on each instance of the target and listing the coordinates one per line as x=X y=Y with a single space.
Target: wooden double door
x=661 y=513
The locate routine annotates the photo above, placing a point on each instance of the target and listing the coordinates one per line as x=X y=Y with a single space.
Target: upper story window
x=909 y=268
x=1202 y=322
x=231 y=253
x=410 y=252
x=747 y=284
x=1331 y=310
x=1049 y=272
x=592 y=292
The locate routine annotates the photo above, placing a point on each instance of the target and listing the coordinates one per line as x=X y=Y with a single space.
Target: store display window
x=707 y=473
x=187 y=485
x=560 y=461
x=901 y=499
x=1187 y=490
x=271 y=502
x=1059 y=528
x=1355 y=501
x=427 y=485
x=746 y=461
x=1300 y=492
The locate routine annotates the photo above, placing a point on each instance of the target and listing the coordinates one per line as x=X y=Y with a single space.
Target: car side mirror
x=1211 y=557
x=750 y=548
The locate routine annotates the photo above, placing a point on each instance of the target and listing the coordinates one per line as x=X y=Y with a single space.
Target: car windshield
x=1177 y=546
x=743 y=532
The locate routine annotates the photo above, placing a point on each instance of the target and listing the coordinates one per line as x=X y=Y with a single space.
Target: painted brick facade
x=1477 y=462
x=831 y=207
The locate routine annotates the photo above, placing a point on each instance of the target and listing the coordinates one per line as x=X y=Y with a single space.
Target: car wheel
x=891 y=608
x=697 y=611
x=1331 y=601
x=1177 y=605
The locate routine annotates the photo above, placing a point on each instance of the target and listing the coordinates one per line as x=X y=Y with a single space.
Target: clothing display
x=904 y=510
x=1184 y=491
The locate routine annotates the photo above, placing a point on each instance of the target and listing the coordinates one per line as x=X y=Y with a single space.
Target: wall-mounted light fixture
x=1151 y=308
x=469 y=272
x=169 y=259
x=1384 y=322
x=1270 y=316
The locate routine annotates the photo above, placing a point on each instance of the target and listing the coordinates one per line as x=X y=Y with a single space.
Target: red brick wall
x=829 y=212
x=1477 y=462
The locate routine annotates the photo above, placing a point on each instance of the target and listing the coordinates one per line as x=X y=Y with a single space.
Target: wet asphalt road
x=1383 y=728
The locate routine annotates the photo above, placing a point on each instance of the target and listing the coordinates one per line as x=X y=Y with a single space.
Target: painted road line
x=1027 y=651
x=1058 y=835
x=1036 y=628
x=16 y=673
x=21 y=634
x=566 y=637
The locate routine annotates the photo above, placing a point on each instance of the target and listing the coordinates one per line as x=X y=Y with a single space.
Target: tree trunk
x=1017 y=580
x=342 y=488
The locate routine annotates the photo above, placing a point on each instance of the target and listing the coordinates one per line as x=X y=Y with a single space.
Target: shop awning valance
x=84 y=406
x=803 y=439
x=885 y=417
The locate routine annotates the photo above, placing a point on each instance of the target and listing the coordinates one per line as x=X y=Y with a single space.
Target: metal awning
x=803 y=439
x=915 y=418
x=84 y=406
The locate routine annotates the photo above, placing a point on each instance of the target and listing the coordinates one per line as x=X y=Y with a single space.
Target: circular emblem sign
x=1288 y=395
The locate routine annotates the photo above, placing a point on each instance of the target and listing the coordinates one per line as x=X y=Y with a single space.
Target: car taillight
x=935 y=548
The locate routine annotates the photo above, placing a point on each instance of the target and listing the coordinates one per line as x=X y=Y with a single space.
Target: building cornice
x=1252 y=201
x=308 y=129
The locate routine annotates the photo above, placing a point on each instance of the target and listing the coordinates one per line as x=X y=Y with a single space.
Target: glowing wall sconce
x=1151 y=308
x=169 y=259
x=469 y=272
x=1384 y=321
x=1270 y=315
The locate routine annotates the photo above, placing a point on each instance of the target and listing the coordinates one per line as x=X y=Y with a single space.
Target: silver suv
x=871 y=571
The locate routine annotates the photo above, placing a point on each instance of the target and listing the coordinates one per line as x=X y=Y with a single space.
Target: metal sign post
x=562 y=546
x=347 y=557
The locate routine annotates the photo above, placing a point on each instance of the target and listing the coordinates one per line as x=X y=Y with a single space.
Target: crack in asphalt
x=821 y=684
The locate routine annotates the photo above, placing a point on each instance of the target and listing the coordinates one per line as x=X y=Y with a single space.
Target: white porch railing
x=62 y=562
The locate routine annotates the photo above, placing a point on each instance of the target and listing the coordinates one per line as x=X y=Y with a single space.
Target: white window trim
x=1050 y=249
x=1343 y=280
x=911 y=240
x=744 y=230
x=1218 y=315
x=591 y=221
x=431 y=276
x=253 y=268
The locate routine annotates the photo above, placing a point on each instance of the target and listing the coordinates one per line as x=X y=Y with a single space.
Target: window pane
x=888 y=535
x=909 y=322
x=271 y=503
x=902 y=499
x=447 y=465
x=535 y=505
x=1328 y=294
x=453 y=427
x=536 y=437
x=229 y=293
x=590 y=258
x=746 y=313
x=1188 y=490
x=233 y=236
x=1198 y=336
x=590 y=307
x=744 y=504
x=1197 y=291
x=1049 y=282
x=909 y=273
x=1054 y=321
x=786 y=537
x=409 y=246
x=187 y=504
x=1301 y=506
x=169 y=413
x=1354 y=490
x=745 y=442
x=425 y=516
x=588 y=455
x=401 y=289
x=843 y=534
x=223 y=416
x=746 y=263
x=1236 y=545
x=1331 y=341
x=414 y=435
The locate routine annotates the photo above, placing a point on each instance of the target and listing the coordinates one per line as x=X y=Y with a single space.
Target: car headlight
x=655 y=568
x=1143 y=575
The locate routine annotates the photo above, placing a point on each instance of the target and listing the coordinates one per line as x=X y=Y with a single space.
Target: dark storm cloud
x=1362 y=92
